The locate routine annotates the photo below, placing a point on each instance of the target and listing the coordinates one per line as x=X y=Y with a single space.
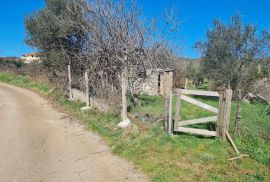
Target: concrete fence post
x=87 y=97
x=125 y=121
x=69 y=83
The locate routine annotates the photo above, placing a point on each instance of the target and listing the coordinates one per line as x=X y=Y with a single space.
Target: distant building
x=32 y=57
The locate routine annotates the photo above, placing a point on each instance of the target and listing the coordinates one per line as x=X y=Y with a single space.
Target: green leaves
x=58 y=29
x=229 y=51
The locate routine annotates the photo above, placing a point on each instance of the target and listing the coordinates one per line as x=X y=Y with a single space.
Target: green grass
x=23 y=81
x=205 y=86
x=154 y=105
x=255 y=135
x=181 y=157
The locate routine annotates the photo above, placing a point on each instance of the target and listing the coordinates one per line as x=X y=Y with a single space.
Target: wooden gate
x=221 y=119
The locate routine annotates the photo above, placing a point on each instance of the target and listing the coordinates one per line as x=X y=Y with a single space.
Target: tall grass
x=23 y=81
x=255 y=134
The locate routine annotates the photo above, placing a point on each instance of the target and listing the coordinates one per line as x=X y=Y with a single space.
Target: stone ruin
x=159 y=82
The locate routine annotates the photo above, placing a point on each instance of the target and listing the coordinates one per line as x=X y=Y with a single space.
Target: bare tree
x=118 y=51
x=110 y=39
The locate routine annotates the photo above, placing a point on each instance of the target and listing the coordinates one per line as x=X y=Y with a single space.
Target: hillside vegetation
x=180 y=157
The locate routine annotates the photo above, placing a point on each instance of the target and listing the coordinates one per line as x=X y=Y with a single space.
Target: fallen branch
x=137 y=122
x=235 y=148
x=231 y=140
x=159 y=120
x=239 y=157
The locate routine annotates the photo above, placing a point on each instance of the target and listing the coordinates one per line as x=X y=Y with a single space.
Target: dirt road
x=39 y=144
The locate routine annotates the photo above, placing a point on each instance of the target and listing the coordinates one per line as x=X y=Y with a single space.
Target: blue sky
x=196 y=17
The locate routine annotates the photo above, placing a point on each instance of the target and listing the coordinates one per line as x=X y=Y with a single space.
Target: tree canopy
x=229 y=51
x=60 y=31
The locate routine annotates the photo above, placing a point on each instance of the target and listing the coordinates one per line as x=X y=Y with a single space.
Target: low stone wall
x=101 y=104
x=78 y=95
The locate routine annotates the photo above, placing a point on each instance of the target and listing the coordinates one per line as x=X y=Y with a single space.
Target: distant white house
x=32 y=57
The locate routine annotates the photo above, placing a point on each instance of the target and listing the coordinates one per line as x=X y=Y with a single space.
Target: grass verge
x=181 y=157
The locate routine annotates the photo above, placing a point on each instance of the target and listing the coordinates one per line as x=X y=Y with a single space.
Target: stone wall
x=100 y=104
x=78 y=95
x=149 y=86
x=103 y=105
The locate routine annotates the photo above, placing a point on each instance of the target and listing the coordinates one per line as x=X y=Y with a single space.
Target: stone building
x=159 y=82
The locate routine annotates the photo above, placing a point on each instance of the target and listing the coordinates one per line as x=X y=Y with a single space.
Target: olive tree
x=59 y=31
x=229 y=55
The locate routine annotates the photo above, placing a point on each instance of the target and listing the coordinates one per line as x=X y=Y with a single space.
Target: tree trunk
x=268 y=68
x=229 y=85
x=186 y=84
x=238 y=113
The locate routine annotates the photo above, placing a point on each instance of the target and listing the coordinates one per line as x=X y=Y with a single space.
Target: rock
x=249 y=97
x=262 y=89
x=261 y=99
x=252 y=98
x=124 y=124
x=146 y=118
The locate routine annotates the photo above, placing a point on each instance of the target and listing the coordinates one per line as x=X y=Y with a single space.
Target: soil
x=41 y=144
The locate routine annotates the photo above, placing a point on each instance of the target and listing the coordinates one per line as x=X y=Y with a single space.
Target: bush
x=11 y=63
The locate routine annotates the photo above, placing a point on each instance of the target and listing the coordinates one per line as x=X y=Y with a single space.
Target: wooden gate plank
x=220 y=119
x=200 y=92
x=198 y=121
x=200 y=104
x=197 y=131
x=227 y=113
